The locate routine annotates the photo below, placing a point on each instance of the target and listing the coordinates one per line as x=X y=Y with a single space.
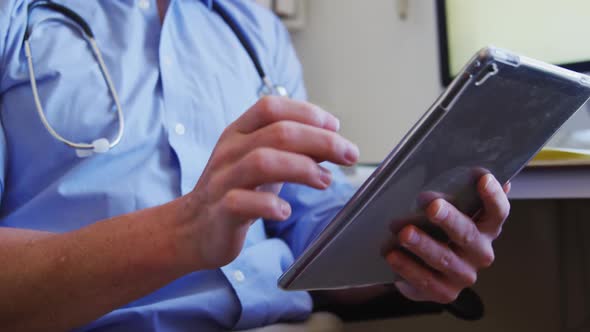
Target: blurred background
x=377 y=65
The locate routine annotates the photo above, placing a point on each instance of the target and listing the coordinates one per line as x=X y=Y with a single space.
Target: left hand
x=451 y=267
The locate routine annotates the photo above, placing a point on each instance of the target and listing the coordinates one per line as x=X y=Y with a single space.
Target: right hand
x=276 y=140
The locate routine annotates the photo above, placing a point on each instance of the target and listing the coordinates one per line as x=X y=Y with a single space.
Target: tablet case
x=493 y=118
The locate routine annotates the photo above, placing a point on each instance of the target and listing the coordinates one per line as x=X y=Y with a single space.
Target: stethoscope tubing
x=89 y=37
x=103 y=144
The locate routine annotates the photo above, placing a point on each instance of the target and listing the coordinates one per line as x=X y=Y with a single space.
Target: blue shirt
x=180 y=85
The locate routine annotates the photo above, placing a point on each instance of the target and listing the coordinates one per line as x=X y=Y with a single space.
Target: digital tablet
x=493 y=118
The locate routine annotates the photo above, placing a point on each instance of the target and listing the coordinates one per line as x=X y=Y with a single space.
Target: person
x=168 y=230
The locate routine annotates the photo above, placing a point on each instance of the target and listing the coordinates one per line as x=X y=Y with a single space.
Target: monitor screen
x=554 y=31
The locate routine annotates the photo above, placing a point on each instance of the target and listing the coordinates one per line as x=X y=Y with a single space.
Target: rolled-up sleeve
x=312 y=209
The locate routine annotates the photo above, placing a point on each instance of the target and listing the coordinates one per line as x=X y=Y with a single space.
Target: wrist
x=180 y=215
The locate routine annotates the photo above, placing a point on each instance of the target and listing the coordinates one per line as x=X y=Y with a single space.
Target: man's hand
x=47 y=278
x=451 y=267
x=277 y=140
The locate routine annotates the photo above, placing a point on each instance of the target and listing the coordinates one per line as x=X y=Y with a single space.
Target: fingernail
x=330 y=122
x=487 y=187
x=352 y=154
x=441 y=213
x=337 y=124
x=413 y=237
x=325 y=176
x=285 y=209
x=506 y=187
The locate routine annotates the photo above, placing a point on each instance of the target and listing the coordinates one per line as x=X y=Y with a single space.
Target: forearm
x=55 y=282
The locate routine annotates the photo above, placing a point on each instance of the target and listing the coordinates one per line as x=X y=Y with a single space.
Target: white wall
x=376 y=72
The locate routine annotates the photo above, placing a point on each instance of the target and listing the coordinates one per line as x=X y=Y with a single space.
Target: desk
x=567 y=182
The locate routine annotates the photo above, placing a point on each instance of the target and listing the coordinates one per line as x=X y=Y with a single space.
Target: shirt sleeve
x=312 y=209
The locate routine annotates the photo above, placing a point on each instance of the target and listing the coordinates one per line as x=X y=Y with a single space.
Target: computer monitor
x=550 y=30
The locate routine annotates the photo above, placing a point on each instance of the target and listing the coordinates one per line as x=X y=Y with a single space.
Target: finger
x=320 y=144
x=409 y=291
x=496 y=206
x=507 y=186
x=426 y=197
x=266 y=165
x=438 y=256
x=246 y=205
x=435 y=288
x=462 y=231
x=272 y=109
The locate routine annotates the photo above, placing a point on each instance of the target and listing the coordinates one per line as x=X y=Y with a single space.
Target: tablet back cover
x=503 y=114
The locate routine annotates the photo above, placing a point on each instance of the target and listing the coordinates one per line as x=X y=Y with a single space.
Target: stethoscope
x=102 y=145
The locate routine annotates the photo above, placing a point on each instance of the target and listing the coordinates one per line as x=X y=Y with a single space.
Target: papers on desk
x=547 y=157
x=552 y=156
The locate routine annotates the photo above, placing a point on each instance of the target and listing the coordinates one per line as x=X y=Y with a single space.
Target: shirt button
x=179 y=129
x=144 y=4
x=239 y=276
